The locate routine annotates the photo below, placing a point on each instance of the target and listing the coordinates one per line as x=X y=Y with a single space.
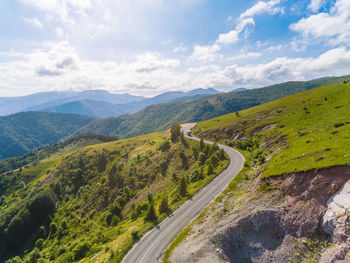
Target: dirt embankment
x=265 y=224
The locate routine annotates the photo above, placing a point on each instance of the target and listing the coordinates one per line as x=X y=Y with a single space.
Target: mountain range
x=161 y=116
x=94 y=103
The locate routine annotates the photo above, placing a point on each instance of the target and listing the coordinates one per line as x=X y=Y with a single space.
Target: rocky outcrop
x=290 y=209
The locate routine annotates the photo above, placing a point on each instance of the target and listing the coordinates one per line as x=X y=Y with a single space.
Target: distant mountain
x=93 y=108
x=161 y=116
x=43 y=100
x=238 y=90
x=103 y=109
x=168 y=97
x=21 y=133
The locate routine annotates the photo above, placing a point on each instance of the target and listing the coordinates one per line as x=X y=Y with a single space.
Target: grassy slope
x=84 y=207
x=300 y=131
x=161 y=116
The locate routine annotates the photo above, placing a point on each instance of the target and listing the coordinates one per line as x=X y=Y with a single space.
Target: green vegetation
x=296 y=133
x=97 y=201
x=162 y=116
x=23 y=132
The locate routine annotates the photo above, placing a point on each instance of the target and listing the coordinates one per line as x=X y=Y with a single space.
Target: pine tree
x=183 y=140
x=201 y=144
x=210 y=169
x=151 y=214
x=164 y=207
x=175 y=132
x=183 y=157
x=183 y=187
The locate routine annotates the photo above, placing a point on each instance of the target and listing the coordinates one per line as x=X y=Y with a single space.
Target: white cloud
x=333 y=26
x=233 y=36
x=34 y=22
x=206 y=53
x=333 y=62
x=262 y=7
x=315 y=5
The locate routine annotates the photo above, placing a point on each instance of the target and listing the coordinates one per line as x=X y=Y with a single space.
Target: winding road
x=150 y=248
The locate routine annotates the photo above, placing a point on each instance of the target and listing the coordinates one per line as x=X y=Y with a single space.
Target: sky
x=147 y=47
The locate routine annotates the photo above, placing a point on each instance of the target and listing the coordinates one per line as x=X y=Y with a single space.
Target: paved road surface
x=152 y=245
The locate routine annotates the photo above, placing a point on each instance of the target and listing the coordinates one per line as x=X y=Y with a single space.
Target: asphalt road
x=152 y=245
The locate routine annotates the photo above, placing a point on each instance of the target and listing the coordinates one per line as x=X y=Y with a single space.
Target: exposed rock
x=336 y=221
x=334 y=254
x=264 y=229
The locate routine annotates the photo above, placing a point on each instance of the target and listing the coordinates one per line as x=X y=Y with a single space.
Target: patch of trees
x=18 y=223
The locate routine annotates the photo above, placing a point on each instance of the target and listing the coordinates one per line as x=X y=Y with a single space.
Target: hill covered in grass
x=161 y=116
x=23 y=132
x=301 y=132
x=92 y=203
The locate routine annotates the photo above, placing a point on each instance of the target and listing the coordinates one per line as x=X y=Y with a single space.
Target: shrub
x=81 y=250
x=164 y=146
x=39 y=243
x=135 y=235
x=33 y=256
x=16 y=259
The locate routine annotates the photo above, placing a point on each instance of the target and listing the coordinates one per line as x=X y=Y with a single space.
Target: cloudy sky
x=146 y=47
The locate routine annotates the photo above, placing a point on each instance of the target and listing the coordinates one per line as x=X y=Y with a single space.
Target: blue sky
x=146 y=47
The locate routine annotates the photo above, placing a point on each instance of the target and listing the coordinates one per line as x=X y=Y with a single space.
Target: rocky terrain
x=279 y=219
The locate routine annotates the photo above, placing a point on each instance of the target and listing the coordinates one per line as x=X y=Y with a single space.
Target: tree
x=195 y=153
x=201 y=158
x=214 y=160
x=163 y=167
x=2 y=200
x=164 y=206
x=201 y=144
x=183 y=140
x=183 y=187
x=101 y=162
x=175 y=132
x=183 y=157
x=151 y=214
x=210 y=169
x=222 y=155
x=150 y=198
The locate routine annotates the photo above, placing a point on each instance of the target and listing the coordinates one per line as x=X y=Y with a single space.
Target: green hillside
x=297 y=133
x=161 y=116
x=23 y=132
x=92 y=203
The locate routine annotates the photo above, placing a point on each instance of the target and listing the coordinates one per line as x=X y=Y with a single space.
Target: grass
x=312 y=128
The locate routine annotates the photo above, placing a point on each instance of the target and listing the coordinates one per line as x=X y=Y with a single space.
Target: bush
x=16 y=259
x=135 y=235
x=80 y=251
x=39 y=243
x=164 y=146
x=33 y=256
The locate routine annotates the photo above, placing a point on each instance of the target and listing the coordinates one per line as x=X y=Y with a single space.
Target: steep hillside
x=160 y=117
x=23 y=132
x=93 y=203
x=283 y=206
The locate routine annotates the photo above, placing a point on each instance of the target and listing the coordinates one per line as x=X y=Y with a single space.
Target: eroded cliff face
x=281 y=219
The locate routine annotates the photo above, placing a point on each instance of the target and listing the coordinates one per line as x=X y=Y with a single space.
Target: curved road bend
x=152 y=245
